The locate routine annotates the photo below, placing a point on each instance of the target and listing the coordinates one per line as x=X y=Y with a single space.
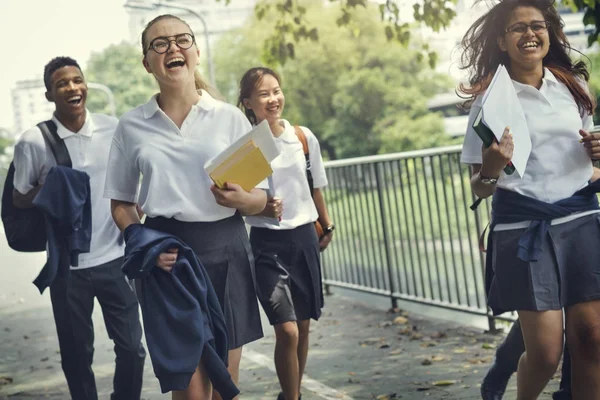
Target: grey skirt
x=567 y=272
x=223 y=249
x=288 y=273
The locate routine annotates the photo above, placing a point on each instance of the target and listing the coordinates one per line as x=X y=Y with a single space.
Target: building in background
x=29 y=104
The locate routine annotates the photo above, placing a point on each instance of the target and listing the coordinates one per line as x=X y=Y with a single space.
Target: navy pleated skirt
x=288 y=273
x=224 y=250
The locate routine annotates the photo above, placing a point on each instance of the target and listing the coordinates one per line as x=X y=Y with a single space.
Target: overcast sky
x=34 y=31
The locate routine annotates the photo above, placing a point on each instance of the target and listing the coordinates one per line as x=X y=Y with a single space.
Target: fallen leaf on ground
x=439 y=335
x=395 y=352
x=428 y=344
x=437 y=358
x=384 y=346
x=426 y=361
x=352 y=373
x=443 y=383
x=488 y=346
x=5 y=380
x=459 y=351
x=385 y=324
x=372 y=341
x=400 y=321
x=386 y=396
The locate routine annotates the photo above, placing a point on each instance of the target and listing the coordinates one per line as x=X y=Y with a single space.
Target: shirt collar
x=548 y=78
x=289 y=133
x=86 y=130
x=206 y=102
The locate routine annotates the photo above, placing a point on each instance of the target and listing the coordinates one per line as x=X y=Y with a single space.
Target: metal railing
x=405 y=230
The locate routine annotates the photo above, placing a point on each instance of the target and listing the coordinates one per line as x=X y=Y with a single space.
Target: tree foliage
x=360 y=93
x=293 y=25
x=119 y=67
x=591 y=16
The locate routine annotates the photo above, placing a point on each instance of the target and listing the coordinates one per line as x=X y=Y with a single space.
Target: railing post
x=385 y=235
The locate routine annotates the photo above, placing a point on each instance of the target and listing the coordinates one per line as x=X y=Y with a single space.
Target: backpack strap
x=57 y=145
x=304 y=141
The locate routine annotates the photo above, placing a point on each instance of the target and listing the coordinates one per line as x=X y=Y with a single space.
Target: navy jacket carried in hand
x=65 y=201
x=183 y=320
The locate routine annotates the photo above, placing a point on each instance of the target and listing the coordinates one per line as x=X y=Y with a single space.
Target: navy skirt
x=288 y=273
x=224 y=250
x=566 y=273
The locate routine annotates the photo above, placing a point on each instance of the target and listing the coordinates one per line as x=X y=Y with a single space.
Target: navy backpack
x=25 y=228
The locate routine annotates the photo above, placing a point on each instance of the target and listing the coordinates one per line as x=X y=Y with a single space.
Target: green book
x=488 y=137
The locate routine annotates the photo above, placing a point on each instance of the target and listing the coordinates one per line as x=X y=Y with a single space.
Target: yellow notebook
x=246 y=167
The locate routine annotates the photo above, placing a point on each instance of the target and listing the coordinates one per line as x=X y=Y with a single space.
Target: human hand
x=166 y=261
x=325 y=240
x=273 y=208
x=497 y=156
x=231 y=195
x=591 y=142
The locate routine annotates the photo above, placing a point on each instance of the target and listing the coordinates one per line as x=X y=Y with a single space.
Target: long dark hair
x=248 y=83
x=481 y=55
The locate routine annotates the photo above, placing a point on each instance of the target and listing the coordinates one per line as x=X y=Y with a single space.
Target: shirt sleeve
x=29 y=161
x=317 y=168
x=471 y=151
x=122 y=177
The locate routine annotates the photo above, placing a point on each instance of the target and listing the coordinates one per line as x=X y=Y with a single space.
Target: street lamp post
x=109 y=94
x=176 y=6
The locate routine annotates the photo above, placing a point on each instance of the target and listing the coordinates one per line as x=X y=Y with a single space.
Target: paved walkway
x=358 y=351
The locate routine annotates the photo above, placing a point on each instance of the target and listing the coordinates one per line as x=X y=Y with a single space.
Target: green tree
x=119 y=67
x=359 y=93
x=292 y=24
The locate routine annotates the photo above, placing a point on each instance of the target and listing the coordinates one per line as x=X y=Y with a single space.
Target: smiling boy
x=88 y=138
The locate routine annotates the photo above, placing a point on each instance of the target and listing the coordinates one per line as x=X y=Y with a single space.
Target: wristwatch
x=328 y=229
x=487 y=181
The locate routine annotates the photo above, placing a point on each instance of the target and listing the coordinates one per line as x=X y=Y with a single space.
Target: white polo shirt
x=88 y=150
x=558 y=165
x=290 y=183
x=170 y=160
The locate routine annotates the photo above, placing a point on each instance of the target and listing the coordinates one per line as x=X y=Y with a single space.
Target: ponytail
x=200 y=84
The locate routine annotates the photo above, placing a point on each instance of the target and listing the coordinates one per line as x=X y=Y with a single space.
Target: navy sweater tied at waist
x=510 y=207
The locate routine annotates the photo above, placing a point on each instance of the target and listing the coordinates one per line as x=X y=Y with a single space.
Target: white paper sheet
x=502 y=108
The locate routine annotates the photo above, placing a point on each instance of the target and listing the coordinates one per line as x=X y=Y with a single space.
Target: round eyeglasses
x=520 y=28
x=162 y=44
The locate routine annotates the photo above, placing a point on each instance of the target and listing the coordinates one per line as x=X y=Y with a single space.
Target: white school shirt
x=88 y=150
x=290 y=182
x=171 y=160
x=558 y=165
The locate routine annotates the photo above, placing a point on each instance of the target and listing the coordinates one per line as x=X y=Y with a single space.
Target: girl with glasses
x=168 y=140
x=543 y=248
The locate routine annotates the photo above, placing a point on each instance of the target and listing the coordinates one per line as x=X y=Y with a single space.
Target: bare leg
x=543 y=335
x=583 y=337
x=303 y=343
x=286 y=359
x=199 y=388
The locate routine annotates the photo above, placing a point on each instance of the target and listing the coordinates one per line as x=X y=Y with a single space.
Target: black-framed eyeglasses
x=161 y=44
x=520 y=28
